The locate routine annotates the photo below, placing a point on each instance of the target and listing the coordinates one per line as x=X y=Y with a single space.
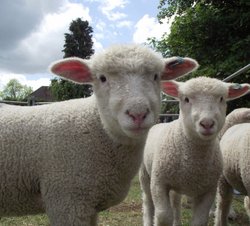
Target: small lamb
x=237 y=116
x=235 y=147
x=75 y=158
x=183 y=157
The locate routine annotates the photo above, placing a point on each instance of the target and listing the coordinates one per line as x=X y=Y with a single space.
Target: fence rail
x=23 y=103
x=242 y=70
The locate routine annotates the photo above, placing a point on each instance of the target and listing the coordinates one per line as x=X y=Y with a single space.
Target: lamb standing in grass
x=183 y=157
x=235 y=147
x=76 y=158
x=237 y=116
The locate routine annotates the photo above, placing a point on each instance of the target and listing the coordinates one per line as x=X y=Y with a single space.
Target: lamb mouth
x=207 y=133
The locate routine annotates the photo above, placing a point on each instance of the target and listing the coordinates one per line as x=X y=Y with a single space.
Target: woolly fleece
x=235 y=147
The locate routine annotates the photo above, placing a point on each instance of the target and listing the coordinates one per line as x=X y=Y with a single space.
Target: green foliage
x=64 y=90
x=215 y=32
x=168 y=8
x=15 y=91
x=78 y=43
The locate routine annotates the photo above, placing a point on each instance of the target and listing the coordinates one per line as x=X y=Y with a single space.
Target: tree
x=15 y=91
x=64 y=90
x=215 y=32
x=78 y=43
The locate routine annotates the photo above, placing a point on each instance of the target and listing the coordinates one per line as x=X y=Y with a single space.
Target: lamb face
x=203 y=104
x=129 y=104
x=126 y=82
x=203 y=111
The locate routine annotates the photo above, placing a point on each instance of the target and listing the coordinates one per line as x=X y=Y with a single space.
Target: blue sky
x=32 y=31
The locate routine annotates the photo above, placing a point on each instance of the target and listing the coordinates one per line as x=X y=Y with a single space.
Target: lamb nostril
x=145 y=114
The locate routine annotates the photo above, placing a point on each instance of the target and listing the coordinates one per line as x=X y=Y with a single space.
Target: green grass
x=37 y=220
x=128 y=213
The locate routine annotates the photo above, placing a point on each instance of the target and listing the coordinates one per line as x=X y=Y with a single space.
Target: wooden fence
x=29 y=102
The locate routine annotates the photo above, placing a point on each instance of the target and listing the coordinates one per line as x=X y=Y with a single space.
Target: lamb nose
x=207 y=123
x=138 y=118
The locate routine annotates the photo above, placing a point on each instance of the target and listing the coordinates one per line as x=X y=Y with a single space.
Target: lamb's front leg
x=247 y=205
x=175 y=200
x=201 y=207
x=70 y=214
x=161 y=199
x=68 y=207
x=147 y=202
x=223 y=202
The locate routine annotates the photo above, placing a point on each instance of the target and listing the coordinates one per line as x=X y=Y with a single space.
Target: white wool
x=235 y=147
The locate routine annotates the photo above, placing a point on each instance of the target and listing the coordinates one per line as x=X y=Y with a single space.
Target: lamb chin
x=207 y=135
x=136 y=132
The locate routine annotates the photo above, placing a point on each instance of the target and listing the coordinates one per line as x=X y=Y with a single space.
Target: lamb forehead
x=204 y=86
x=127 y=58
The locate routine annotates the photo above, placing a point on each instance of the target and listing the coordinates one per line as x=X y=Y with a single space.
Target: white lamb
x=183 y=157
x=75 y=158
x=235 y=147
x=237 y=116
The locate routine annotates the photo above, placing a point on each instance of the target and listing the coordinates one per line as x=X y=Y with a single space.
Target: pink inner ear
x=178 y=68
x=170 y=88
x=235 y=93
x=73 y=70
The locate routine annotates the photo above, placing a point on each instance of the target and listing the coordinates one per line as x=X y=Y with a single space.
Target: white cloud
x=124 y=23
x=99 y=36
x=47 y=41
x=100 y=29
x=100 y=26
x=34 y=83
x=35 y=52
x=97 y=45
x=109 y=5
x=113 y=16
x=148 y=27
x=109 y=9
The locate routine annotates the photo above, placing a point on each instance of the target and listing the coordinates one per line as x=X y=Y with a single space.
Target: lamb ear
x=171 y=88
x=237 y=90
x=73 y=69
x=176 y=67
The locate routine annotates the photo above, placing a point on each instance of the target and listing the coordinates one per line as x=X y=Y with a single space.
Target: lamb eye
x=186 y=100
x=155 y=77
x=221 y=99
x=103 y=78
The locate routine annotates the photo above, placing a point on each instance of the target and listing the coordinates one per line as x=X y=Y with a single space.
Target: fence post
x=31 y=101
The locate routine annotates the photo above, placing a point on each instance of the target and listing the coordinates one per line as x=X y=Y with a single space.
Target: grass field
x=128 y=213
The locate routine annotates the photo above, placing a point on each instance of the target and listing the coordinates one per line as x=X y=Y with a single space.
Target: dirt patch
x=127 y=207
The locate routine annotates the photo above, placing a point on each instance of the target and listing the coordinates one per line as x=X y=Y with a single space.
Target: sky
x=32 y=32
